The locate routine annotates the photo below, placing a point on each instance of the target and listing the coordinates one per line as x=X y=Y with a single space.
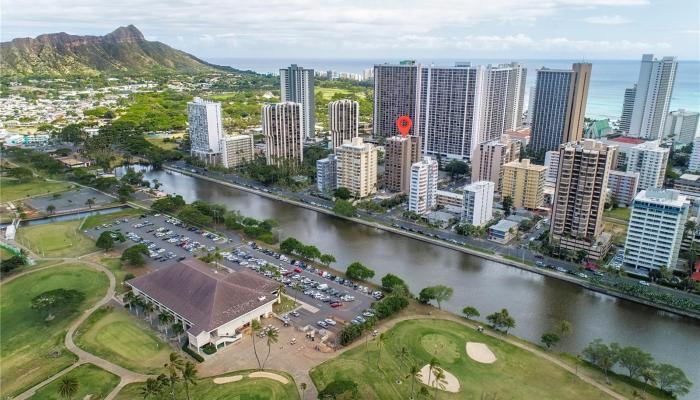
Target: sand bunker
x=227 y=379
x=480 y=352
x=269 y=375
x=450 y=382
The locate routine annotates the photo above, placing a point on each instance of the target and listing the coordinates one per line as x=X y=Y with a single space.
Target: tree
x=380 y=343
x=339 y=389
x=648 y=375
x=344 y=208
x=178 y=330
x=327 y=259
x=302 y=386
x=603 y=356
x=174 y=365
x=635 y=360
x=165 y=318
x=134 y=255
x=90 y=202
x=440 y=381
x=501 y=320
x=507 y=205
x=550 y=339
x=415 y=374
x=125 y=191
x=564 y=328
x=470 y=312
x=148 y=310
x=152 y=388
x=50 y=209
x=189 y=377
x=672 y=379
x=342 y=193
x=290 y=245
x=358 y=271
x=68 y=387
x=105 y=241
x=254 y=329
x=391 y=282
x=22 y=174
x=439 y=293
x=57 y=301
x=456 y=168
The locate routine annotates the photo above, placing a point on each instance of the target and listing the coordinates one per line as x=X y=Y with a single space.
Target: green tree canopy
x=550 y=339
x=105 y=241
x=390 y=282
x=57 y=302
x=134 y=255
x=342 y=193
x=358 y=271
x=344 y=208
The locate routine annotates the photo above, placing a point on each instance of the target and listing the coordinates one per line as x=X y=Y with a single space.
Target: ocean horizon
x=609 y=78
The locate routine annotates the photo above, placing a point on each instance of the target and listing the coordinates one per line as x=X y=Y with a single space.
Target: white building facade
x=326 y=177
x=206 y=129
x=694 y=164
x=478 y=203
x=343 y=120
x=649 y=159
x=423 y=190
x=284 y=137
x=236 y=150
x=297 y=85
x=652 y=96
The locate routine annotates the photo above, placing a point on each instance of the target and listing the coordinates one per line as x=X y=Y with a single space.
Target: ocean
x=609 y=78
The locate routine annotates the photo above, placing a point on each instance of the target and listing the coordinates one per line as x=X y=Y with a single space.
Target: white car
x=644 y=283
x=329 y=321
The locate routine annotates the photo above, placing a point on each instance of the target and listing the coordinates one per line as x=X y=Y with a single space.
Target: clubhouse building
x=213 y=306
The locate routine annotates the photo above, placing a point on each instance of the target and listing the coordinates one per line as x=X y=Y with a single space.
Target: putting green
x=118 y=337
x=56 y=239
x=442 y=347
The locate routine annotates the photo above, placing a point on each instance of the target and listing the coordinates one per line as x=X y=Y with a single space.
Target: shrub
x=209 y=348
x=338 y=389
x=186 y=349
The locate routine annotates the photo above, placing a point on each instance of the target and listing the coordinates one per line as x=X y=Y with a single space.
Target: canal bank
x=491 y=257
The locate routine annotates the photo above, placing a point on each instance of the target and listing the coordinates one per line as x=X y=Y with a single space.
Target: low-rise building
x=682 y=126
x=623 y=186
x=688 y=185
x=73 y=162
x=236 y=150
x=450 y=201
x=503 y=232
x=478 y=203
x=214 y=307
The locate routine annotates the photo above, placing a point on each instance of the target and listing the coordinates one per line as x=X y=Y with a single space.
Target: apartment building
x=489 y=157
x=297 y=86
x=400 y=153
x=650 y=160
x=395 y=90
x=236 y=150
x=478 y=203
x=623 y=186
x=206 y=129
x=357 y=167
x=326 y=177
x=523 y=182
x=423 y=189
x=284 y=137
x=652 y=97
x=343 y=120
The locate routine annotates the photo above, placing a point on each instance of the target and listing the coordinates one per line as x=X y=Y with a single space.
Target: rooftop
x=205 y=297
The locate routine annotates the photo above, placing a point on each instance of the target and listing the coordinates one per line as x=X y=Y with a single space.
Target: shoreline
x=490 y=257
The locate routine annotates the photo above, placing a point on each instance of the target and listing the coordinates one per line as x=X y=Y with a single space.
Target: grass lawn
x=329 y=92
x=5 y=254
x=160 y=142
x=95 y=383
x=99 y=219
x=11 y=190
x=618 y=230
x=118 y=337
x=56 y=239
x=245 y=389
x=32 y=348
x=517 y=374
x=621 y=213
x=285 y=306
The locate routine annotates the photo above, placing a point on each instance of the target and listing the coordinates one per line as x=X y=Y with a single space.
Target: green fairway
x=118 y=337
x=94 y=383
x=517 y=374
x=32 y=348
x=245 y=389
x=56 y=239
x=99 y=219
x=120 y=272
x=10 y=190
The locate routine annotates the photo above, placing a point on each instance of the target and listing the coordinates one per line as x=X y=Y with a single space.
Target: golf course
x=57 y=239
x=31 y=343
x=93 y=383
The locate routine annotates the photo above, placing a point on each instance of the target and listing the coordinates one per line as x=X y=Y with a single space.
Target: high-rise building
x=326 y=177
x=206 y=129
x=627 y=108
x=395 y=91
x=236 y=150
x=478 y=203
x=282 y=128
x=650 y=160
x=523 y=182
x=623 y=186
x=343 y=120
x=655 y=230
x=357 y=167
x=531 y=105
x=694 y=164
x=400 y=153
x=423 y=192
x=551 y=161
x=297 y=86
x=560 y=106
x=682 y=125
x=449 y=109
x=516 y=95
x=489 y=157
x=652 y=97
x=579 y=199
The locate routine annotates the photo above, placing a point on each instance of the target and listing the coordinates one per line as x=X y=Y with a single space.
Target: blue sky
x=592 y=29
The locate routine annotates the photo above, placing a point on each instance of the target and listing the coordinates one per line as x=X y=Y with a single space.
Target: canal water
x=535 y=301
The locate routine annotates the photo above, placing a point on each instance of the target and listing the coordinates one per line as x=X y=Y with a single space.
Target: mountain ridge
x=124 y=50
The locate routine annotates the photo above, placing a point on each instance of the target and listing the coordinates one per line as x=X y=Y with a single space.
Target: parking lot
x=323 y=297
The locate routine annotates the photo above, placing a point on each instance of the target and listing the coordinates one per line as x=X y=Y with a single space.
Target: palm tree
x=439 y=380
x=189 y=375
x=415 y=374
x=432 y=365
x=90 y=202
x=255 y=328
x=303 y=389
x=649 y=375
x=148 y=310
x=129 y=298
x=272 y=338
x=68 y=387
x=174 y=365
x=178 y=330
x=50 y=209
x=165 y=318
x=151 y=388
x=403 y=353
x=281 y=289
x=380 y=342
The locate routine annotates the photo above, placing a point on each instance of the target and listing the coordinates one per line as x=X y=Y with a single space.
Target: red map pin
x=404 y=123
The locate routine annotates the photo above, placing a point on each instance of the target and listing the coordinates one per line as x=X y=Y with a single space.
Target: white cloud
x=607 y=20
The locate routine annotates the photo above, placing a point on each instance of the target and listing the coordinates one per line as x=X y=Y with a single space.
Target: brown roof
x=203 y=296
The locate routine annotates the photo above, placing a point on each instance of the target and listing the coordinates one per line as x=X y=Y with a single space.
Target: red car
x=297 y=270
x=336 y=305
